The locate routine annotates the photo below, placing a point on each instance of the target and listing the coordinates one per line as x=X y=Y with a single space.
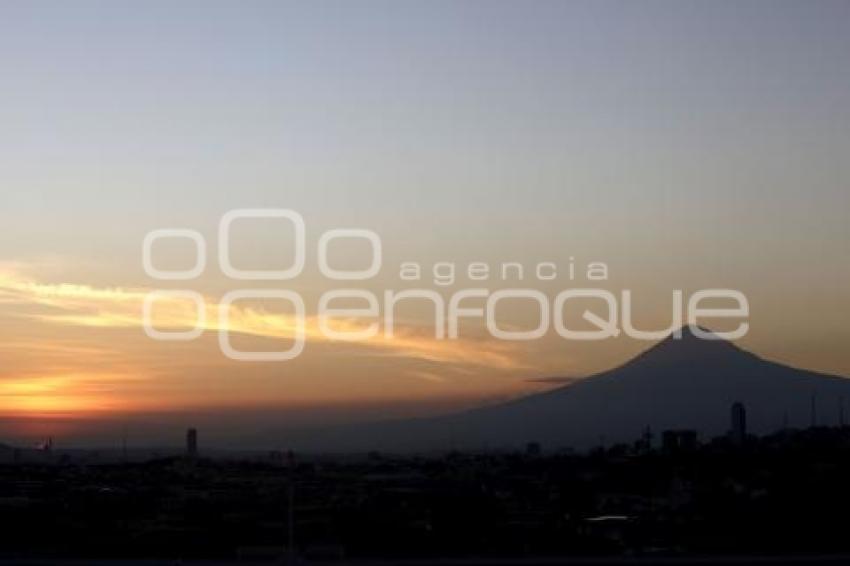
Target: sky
x=687 y=145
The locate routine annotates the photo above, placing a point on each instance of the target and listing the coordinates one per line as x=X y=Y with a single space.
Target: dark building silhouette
x=676 y=441
x=738 y=433
x=191 y=442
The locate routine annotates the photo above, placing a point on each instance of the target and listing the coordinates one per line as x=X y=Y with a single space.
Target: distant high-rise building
x=192 y=442
x=739 y=424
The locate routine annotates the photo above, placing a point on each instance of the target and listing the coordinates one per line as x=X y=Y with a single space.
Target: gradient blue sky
x=687 y=144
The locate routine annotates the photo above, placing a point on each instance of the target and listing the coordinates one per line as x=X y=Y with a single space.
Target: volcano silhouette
x=680 y=383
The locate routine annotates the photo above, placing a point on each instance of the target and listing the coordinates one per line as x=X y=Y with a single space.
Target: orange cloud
x=87 y=306
x=59 y=394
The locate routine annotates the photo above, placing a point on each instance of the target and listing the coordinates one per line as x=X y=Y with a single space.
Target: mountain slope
x=678 y=383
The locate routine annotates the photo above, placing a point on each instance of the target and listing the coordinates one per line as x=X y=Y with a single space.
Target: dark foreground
x=563 y=561
x=784 y=496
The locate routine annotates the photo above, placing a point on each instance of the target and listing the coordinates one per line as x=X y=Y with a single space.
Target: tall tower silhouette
x=191 y=443
x=738 y=433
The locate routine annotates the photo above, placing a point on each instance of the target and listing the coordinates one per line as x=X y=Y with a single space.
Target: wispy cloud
x=60 y=393
x=75 y=305
x=555 y=380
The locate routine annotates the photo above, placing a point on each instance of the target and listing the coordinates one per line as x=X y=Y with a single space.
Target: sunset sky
x=687 y=145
